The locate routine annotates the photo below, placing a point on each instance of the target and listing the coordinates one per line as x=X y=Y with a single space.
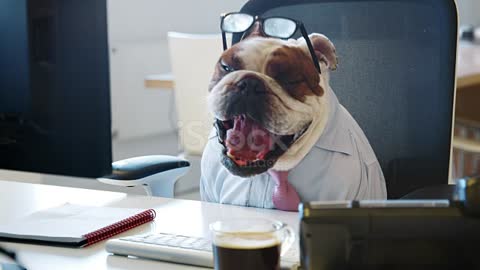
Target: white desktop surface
x=173 y=216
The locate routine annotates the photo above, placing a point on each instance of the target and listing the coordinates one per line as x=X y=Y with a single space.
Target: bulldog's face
x=264 y=94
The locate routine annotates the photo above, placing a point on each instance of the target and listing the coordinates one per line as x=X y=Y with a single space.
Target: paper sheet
x=67 y=221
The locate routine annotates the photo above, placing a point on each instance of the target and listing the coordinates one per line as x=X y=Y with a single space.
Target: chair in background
x=396 y=77
x=193 y=58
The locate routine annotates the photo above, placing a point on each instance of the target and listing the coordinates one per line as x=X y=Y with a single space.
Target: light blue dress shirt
x=341 y=166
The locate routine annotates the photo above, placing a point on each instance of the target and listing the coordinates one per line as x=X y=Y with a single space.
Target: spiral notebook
x=73 y=225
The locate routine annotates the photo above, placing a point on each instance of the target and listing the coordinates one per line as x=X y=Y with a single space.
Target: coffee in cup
x=249 y=244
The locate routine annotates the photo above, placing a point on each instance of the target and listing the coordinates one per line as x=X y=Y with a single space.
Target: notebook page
x=67 y=221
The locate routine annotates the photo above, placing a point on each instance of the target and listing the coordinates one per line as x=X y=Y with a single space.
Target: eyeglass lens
x=274 y=27
x=279 y=27
x=237 y=22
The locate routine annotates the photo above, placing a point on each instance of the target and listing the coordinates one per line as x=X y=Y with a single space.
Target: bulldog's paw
x=284 y=196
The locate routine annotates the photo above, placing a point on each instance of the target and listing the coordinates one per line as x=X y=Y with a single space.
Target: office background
x=143 y=119
x=469 y=11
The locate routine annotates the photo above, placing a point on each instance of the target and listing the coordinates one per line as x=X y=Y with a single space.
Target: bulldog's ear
x=324 y=50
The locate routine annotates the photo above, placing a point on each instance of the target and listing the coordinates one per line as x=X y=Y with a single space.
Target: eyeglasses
x=277 y=27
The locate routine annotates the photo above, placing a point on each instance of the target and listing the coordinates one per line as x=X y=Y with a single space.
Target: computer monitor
x=54 y=87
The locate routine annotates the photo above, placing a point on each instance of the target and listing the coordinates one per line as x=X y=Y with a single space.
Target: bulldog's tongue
x=248 y=141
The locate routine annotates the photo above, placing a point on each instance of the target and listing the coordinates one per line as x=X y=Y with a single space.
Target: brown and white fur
x=295 y=102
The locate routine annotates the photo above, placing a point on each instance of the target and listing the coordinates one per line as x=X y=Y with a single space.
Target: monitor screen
x=54 y=87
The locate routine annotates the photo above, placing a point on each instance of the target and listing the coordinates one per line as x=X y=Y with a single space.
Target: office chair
x=193 y=58
x=157 y=174
x=396 y=77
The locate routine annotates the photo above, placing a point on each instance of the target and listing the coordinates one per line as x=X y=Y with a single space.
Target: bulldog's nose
x=250 y=84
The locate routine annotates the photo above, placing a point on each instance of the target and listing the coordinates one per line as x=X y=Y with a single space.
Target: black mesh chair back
x=396 y=77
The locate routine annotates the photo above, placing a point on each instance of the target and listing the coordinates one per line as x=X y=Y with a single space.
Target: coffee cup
x=250 y=243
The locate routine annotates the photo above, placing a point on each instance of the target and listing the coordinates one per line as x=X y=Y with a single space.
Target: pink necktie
x=284 y=196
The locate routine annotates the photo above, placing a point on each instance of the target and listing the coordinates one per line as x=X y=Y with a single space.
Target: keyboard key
x=200 y=245
x=163 y=240
x=174 y=242
x=134 y=239
x=150 y=240
x=188 y=242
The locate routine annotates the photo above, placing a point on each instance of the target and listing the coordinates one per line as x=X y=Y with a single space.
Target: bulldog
x=281 y=135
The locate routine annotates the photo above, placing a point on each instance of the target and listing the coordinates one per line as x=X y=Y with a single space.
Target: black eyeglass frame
x=298 y=25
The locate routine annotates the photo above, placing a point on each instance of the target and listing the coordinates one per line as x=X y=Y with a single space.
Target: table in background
x=160 y=81
x=173 y=216
x=466 y=140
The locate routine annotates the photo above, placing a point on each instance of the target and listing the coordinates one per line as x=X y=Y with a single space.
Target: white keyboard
x=179 y=249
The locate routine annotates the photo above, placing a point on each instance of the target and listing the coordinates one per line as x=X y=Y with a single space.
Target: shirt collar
x=336 y=136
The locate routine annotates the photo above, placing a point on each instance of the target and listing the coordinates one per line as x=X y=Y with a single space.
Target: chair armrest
x=141 y=167
x=157 y=174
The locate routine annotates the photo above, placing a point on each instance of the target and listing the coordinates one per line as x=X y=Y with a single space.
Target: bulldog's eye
x=226 y=67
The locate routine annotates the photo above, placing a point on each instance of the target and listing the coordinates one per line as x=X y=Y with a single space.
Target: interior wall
x=137 y=32
x=469 y=11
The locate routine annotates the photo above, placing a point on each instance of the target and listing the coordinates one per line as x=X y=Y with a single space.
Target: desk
x=467 y=112
x=160 y=81
x=173 y=216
